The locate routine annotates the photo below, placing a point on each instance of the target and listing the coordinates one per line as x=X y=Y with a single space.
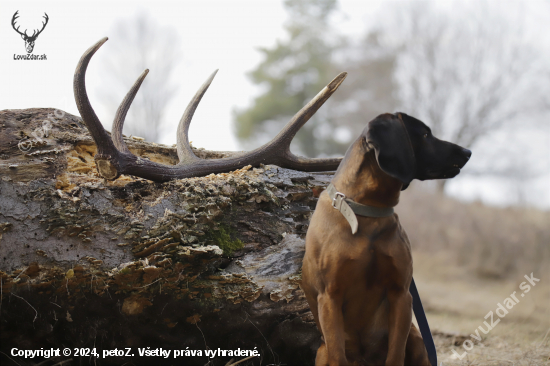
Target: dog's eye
x=425 y=135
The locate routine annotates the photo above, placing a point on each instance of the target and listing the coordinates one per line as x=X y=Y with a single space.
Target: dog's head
x=406 y=149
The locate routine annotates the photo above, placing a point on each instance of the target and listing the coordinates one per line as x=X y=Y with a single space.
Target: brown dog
x=357 y=285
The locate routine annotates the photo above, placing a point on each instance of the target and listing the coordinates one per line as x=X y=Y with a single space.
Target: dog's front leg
x=400 y=317
x=331 y=320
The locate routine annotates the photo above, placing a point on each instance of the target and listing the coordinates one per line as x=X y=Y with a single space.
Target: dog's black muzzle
x=448 y=165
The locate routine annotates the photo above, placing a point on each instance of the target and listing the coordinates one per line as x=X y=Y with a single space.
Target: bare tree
x=143 y=44
x=370 y=90
x=466 y=70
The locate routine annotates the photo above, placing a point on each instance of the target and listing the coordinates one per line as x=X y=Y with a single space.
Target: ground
x=456 y=302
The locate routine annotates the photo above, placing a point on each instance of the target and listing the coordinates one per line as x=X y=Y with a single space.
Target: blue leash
x=423 y=324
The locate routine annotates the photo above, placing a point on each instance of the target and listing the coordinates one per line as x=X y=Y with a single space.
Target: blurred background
x=477 y=72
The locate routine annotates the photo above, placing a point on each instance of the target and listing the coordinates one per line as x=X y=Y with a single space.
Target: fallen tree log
x=202 y=266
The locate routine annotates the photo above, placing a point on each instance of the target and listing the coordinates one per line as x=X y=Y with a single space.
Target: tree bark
x=211 y=263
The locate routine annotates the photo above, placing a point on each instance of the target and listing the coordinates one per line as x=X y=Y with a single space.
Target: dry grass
x=493 y=242
x=467 y=259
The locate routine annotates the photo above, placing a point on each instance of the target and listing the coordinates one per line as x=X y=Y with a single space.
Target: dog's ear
x=393 y=148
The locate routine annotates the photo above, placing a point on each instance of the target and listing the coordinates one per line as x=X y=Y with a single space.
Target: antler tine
x=300 y=118
x=282 y=141
x=104 y=143
x=118 y=122
x=185 y=153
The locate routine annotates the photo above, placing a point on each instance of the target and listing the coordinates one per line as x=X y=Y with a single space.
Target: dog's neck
x=360 y=178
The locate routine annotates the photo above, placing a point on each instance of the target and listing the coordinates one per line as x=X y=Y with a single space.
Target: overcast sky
x=222 y=34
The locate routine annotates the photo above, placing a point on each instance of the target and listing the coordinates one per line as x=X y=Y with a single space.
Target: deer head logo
x=29 y=40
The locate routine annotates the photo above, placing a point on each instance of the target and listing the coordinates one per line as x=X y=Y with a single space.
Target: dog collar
x=349 y=208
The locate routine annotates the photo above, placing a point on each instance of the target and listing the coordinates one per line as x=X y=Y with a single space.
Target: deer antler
x=114 y=158
x=34 y=34
x=15 y=16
